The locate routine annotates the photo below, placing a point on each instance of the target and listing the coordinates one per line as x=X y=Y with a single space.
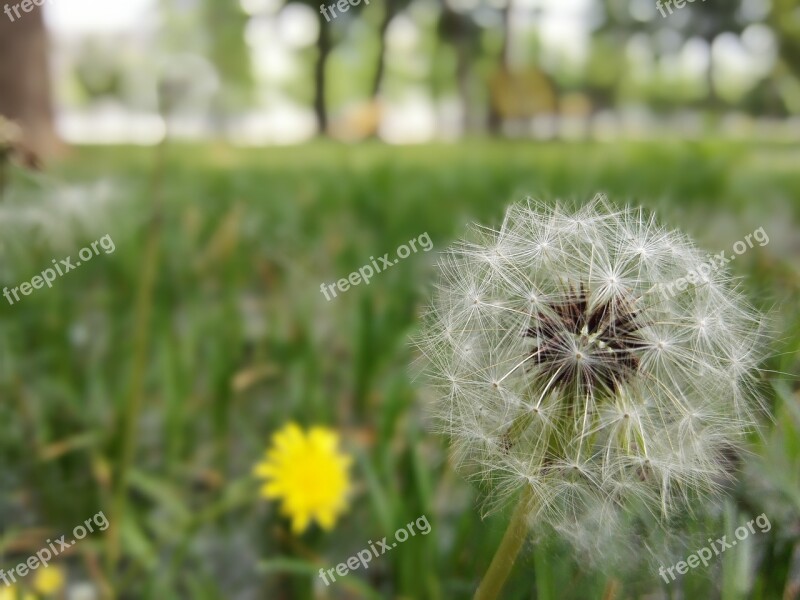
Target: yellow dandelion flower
x=49 y=581
x=8 y=593
x=309 y=473
x=13 y=593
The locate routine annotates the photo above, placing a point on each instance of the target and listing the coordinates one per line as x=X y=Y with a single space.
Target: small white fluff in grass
x=562 y=360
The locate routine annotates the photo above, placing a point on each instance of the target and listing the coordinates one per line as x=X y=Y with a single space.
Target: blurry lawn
x=241 y=340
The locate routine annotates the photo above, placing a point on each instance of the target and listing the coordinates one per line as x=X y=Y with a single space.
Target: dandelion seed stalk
x=503 y=560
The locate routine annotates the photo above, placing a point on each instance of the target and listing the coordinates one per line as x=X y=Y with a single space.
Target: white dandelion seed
x=566 y=366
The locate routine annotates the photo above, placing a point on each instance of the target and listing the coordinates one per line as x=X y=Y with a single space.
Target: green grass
x=240 y=340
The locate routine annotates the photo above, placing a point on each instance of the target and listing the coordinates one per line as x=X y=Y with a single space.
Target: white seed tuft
x=565 y=358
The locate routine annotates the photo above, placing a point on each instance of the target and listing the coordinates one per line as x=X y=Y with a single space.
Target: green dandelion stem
x=503 y=561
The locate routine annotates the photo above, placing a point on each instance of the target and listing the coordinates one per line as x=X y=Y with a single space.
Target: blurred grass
x=241 y=340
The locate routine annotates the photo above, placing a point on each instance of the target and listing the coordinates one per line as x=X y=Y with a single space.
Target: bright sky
x=90 y=16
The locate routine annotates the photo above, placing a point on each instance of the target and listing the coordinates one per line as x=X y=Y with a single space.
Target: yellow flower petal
x=49 y=581
x=308 y=473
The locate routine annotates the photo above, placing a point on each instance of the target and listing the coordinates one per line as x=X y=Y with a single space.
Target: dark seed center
x=588 y=345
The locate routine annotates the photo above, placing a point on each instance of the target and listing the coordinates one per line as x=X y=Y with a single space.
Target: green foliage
x=228 y=51
x=242 y=340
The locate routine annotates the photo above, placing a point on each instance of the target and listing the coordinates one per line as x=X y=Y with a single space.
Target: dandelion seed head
x=570 y=362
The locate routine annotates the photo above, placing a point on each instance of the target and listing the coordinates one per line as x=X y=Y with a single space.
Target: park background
x=240 y=154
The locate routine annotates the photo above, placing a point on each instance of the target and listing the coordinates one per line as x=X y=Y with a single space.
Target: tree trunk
x=389 y=12
x=463 y=78
x=495 y=119
x=324 y=46
x=25 y=80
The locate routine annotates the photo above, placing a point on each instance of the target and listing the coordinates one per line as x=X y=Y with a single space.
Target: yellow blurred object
x=522 y=95
x=575 y=105
x=358 y=122
x=224 y=240
x=49 y=581
x=13 y=593
x=248 y=377
x=309 y=473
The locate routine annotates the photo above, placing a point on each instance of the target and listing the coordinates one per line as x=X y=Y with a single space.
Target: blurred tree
x=785 y=21
x=766 y=98
x=495 y=119
x=228 y=52
x=521 y=95
x=604 y=72
x=607 y=66
x=325 y=45
x=182 y=26
x=98 y=69
x=324 y=48
x=25 y=90
x=391 y=9
x=784 y=18
x=665 y=30
x=458 y=30
x=708 y=20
